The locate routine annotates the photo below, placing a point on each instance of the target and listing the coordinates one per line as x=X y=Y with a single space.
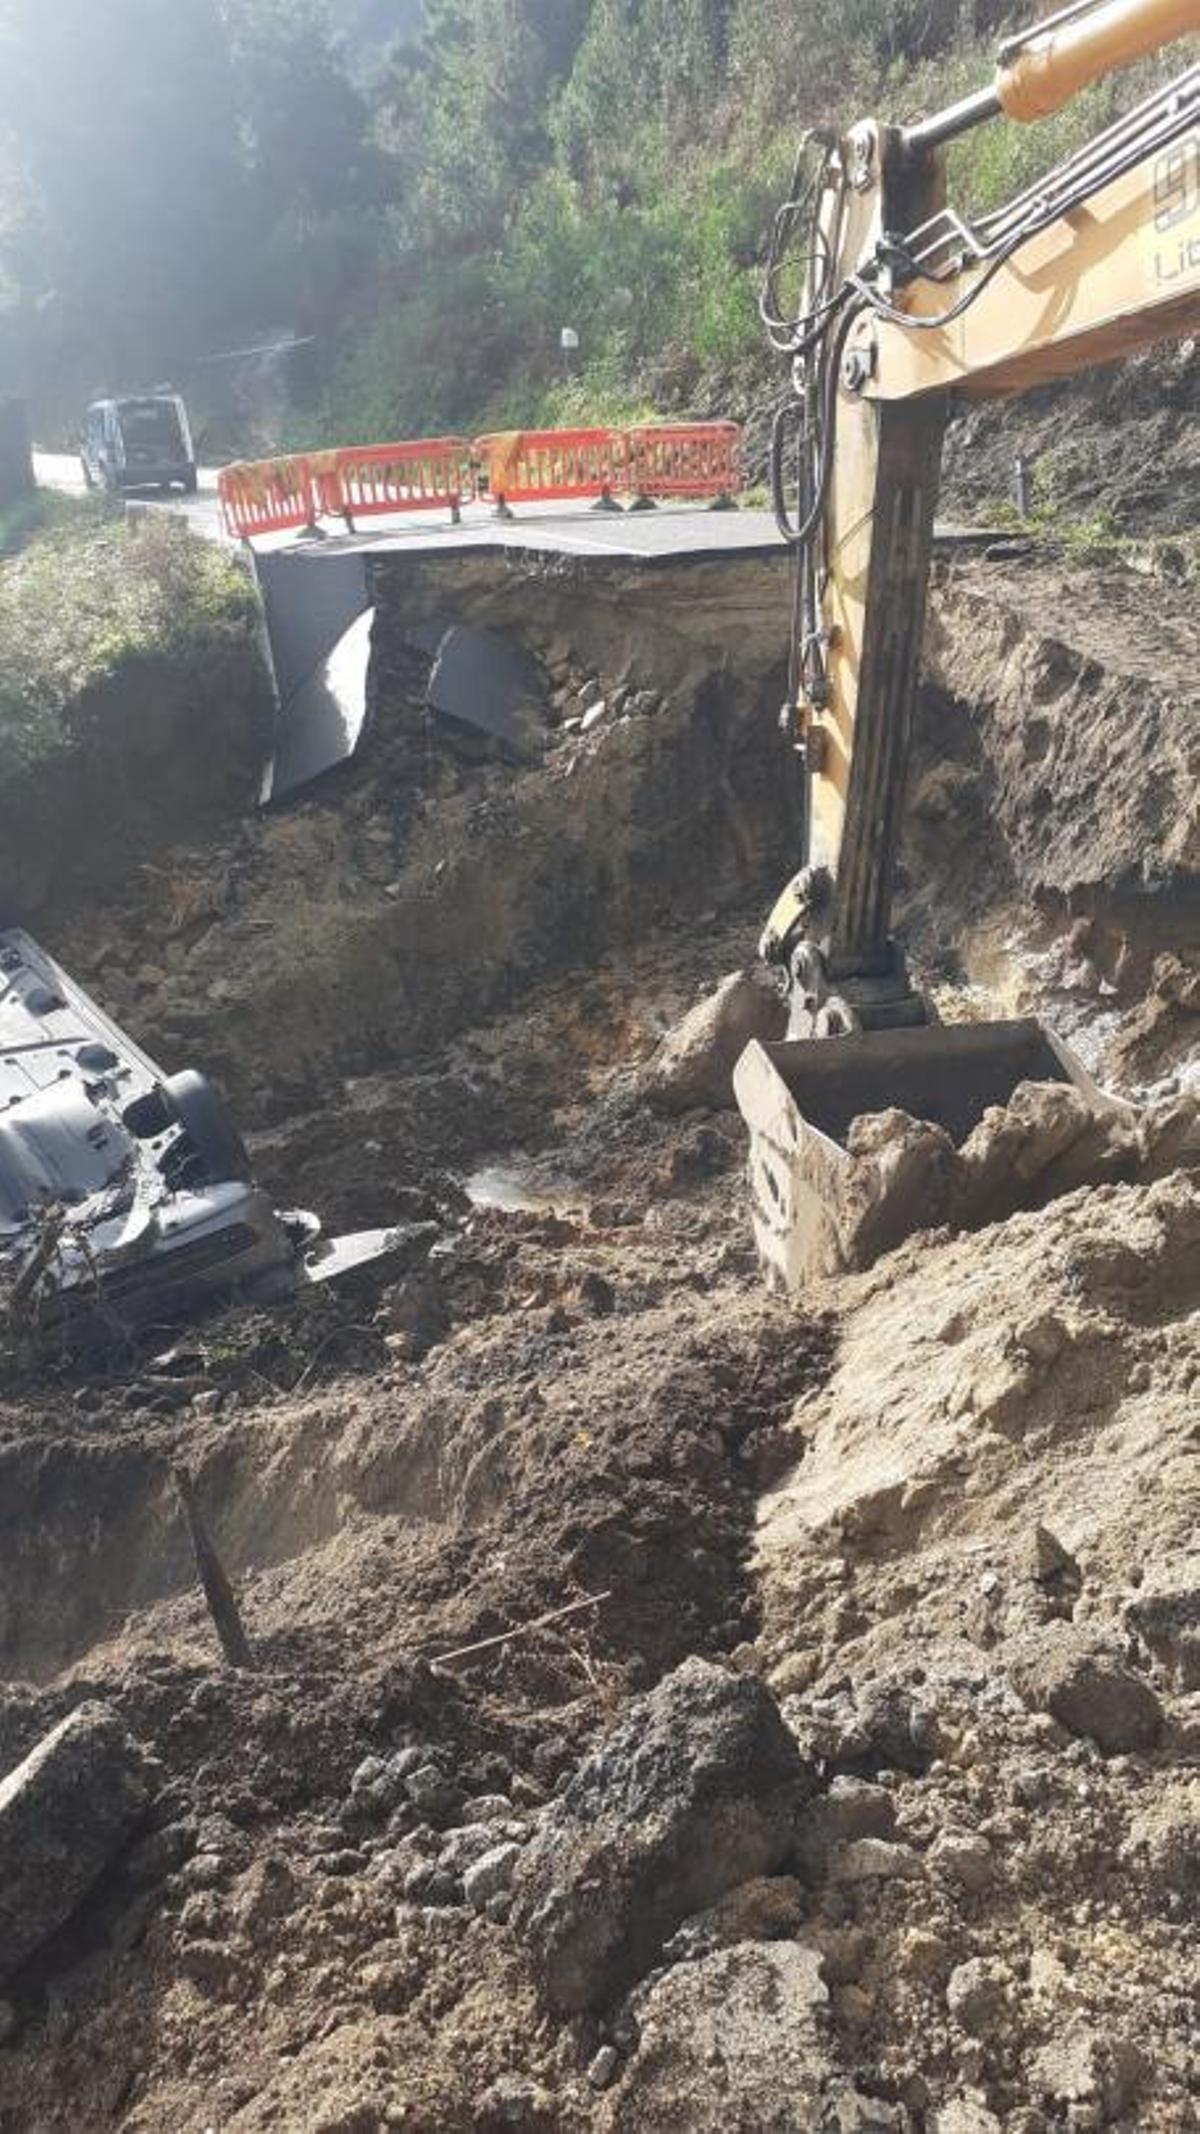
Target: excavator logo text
x=1175 y=239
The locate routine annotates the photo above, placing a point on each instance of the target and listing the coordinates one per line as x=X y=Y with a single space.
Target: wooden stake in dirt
x=218 y=1592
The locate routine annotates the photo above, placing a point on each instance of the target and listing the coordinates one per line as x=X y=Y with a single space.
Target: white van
x=143 y=441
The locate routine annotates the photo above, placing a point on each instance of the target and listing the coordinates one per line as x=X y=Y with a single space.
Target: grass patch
x=87 y=596
x=42 y=510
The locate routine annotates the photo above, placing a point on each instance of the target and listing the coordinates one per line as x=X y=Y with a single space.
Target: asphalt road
x=555 y=529
x=61 y=470
x=674 y=533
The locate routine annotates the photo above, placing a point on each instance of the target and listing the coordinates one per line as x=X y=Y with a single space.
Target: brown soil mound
x=970 y=1474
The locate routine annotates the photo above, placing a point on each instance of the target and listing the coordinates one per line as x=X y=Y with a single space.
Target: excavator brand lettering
x=1174 y=240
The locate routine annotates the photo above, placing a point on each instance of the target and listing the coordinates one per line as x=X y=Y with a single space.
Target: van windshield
x=152 y=424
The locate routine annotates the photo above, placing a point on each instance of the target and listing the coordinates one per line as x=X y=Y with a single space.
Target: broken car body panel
x=124 y=1193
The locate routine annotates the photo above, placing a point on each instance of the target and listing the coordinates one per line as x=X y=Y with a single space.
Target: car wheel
x=205 y=1119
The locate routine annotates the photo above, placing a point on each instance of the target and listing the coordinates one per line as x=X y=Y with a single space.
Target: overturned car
x=126 y=1195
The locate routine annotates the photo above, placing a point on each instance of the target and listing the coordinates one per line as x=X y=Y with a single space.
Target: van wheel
x=205 y=1119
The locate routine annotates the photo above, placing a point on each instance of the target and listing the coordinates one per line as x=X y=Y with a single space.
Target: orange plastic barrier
x=679 y=459
x=267 y=496
x=538 y=466
x=685 y=459
x=376 y=480
x=325 y=476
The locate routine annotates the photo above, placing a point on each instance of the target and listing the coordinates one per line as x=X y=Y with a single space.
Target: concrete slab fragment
x=488 y=686
x=322 y=724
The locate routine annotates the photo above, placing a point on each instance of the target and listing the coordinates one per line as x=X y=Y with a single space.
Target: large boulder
x=730 y=2042
x=695 y=1791
x=64 y=1813
x=693 y=1066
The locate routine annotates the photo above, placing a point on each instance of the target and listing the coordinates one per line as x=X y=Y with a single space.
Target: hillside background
x=420 y=196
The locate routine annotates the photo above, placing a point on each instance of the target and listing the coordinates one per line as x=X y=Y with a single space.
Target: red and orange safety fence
x=549 y=466
x=267 y=496
x=684 y=459
x=377 y=480
x=652 y=461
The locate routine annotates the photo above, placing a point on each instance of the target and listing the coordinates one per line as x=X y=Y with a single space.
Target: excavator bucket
x=800 y=1099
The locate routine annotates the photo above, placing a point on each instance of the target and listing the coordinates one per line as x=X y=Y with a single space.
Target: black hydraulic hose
x=918 y=320
x=799 y=534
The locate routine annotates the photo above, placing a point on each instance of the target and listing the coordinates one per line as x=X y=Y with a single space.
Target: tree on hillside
x=464 y=108
x=176 y=174
x=304 y=124
x=122 y=125
x=317 y=186
x=647 y=70
x=366 y=30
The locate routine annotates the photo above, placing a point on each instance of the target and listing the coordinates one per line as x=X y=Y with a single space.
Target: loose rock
x=963 y=1858
x=64 y=1813
x=976 y=1996
x=729 y=2042
x=963 y=2116
x=1087 y=1691
x=694 y=1064
x=873 y=1860
x=490 y=1875
x=604 y=2067
x=695 y=1792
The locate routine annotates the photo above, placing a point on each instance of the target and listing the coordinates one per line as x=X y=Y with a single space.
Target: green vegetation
x=32 y=514
x=432 y=189
x=90 y=597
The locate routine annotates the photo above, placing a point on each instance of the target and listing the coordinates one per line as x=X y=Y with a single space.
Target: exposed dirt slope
x=1051 y=856
x=424 y=888
x=1120 y=443
x=1008 y=1447
x=946 y=1509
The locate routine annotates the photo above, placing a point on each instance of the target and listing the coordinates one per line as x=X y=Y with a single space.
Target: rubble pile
x=666 y=1706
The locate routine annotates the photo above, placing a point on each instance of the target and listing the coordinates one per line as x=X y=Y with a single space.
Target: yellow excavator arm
x=906 y=303
x=1044 y=69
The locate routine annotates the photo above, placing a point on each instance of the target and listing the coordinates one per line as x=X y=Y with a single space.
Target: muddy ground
x=947 y=1509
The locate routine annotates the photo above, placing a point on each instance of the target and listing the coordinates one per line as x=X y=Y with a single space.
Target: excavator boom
x=906 y=303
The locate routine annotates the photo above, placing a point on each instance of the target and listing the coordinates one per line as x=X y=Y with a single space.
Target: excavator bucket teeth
x=800 y=1099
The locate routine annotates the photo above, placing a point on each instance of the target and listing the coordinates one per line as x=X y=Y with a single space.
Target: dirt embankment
x=1119 y=445
x=136 y=706
x=421 y=889
x=944 y=1511
x=1082 y=692
x=1051 y=855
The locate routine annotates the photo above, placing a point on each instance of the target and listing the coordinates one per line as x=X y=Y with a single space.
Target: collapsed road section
x=509 y=1523
x=318 y=598
x=618 y=1698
